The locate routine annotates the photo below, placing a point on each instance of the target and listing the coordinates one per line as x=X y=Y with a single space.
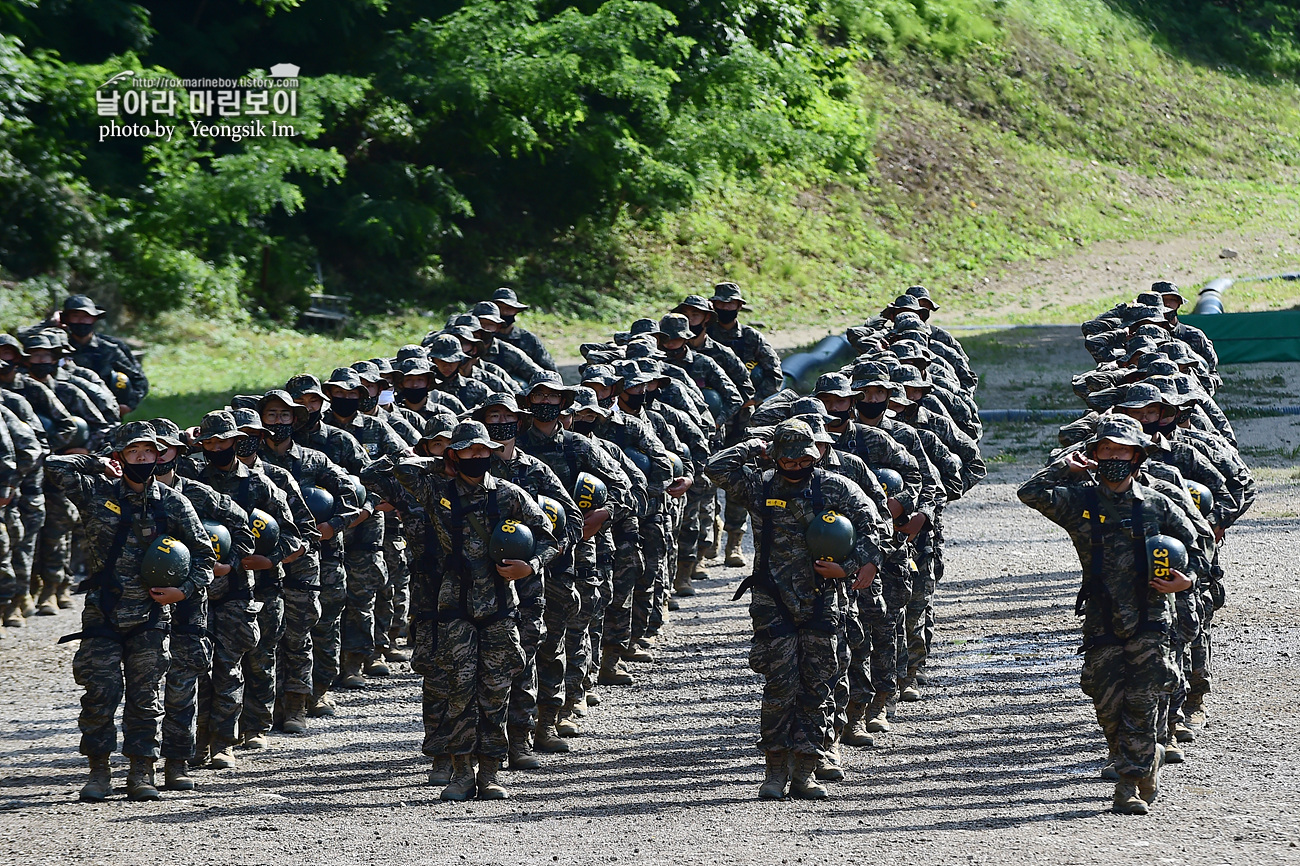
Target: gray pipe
x=1002 y=415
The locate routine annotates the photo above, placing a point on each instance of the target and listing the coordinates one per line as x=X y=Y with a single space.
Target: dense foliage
x=444 y=145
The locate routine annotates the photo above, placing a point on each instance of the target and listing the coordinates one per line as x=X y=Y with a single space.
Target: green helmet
x=511 y=540
x=220 y=537
x=589 y=491
x=165 y=563
x=890 y=481
x=362 y=493
x=679 y=466
x=1201 y=495
x=555 y=513
x=639 y=458
x=714 y=401
x=80 y=438
x=1165 y=553
x=266 y=531
x=830 y=537
x=320 y=502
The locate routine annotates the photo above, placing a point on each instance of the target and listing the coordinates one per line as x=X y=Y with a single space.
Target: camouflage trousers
x=433 y=708
x=131 y=665
x=191 y=658
x=532 y=627
x=1129 y=685
x=627 y=571
x=8 y=579
x=873 y=669
x=564 y=652
x=260 y=667
x=26 y=520
x=326 y=634
x=697 y=519
x=838 y=706
x=366 y=575
x=235 y=633
x=1199 y=656
x=394 y=599
x=54 y=552
x=479 y=665
x=293 y=655
x=799 y=672
x=919 y=620
x=600 y=605
x=646 y=616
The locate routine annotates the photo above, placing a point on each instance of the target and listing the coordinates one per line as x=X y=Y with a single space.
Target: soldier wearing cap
x=510 y=306
x=1128 y=613
x=446 y=356
x=571 y=582
x=190 y=646
x=123 y=649
x=478 y=645
x=469 y=332
x=505 y=354
x=415 y=400
x=375 y=380
x=1171 y=299
x=750 y=346
x=233 y=606
x=794 y=606
x=961 y=362
x=501 y=417
x=110 y=359
x=280 y=414
x=86 y=380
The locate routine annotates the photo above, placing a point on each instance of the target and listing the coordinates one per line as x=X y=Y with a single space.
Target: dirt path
x=998 y=764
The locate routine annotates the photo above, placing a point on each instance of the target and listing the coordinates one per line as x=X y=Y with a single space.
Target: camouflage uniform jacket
x=1199 y=343
x=940 y=469
x=526 y=341
x=629 y=431
x=105 y=504
x=341 y=447
x=706 y=373
x=10 y=474
x=309 y=466
x=730 y=364
x=760 y=359
x=400 y=423
x=119 y=370
x=879 y=450
x=537 y=479
x=469 y=392
x=472 y=589
x=973 y=469
x=513 y=360
x=1117 y=601
x=568 y=453
x=45 y=403
x=794 y=594
x=219 y=508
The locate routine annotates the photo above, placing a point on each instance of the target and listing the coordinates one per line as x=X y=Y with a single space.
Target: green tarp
x=1242 y=338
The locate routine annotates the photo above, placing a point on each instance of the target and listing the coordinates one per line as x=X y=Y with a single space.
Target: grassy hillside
x=1007 y=131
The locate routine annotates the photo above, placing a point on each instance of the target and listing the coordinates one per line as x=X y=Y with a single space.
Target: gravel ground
x=999 y=762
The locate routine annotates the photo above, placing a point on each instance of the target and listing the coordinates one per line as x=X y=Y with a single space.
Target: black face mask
x=161 y=468
x=414 y=396
x=508 y=320
x=872 y=410
x=502 y=431
x=1166 y=425
x=633 y=402
x=40 y=371
x=606 y=402
x=676 y=354
x=473 y=467
x=546 y=412
x=650 y=398
x=312 y=422
x=584 y=427
x=1151 y=428
x=139 y=473
x=82 y=329
x=7 y=368
x=279 y=432
x=221 y=459
x=796 y=475
x=726 y=317
x=1114 y=471
x=345 y=407
x=247 y=446
x=697 y=329
x=368 y=403
x=840 y=416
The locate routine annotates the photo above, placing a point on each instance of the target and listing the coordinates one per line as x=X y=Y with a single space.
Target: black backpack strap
x=762 y=575
x=570 y=457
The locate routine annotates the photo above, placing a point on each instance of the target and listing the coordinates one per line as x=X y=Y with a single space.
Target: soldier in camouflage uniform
x=13 y=465
x=1128 y=612
x=516 y=335
x=190 y=646
x=478 y=639
x=116 y=366
x=509 y=357
x=794 y=607
x=123 y=650
x=280 y=415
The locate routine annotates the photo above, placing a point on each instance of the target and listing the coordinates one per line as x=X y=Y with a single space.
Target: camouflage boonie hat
x=439 y=425
x=632 y=375
x=460 y=320
x=1148 y=299
x=903 y=304
x=1120 y=429
x=1164 y=287
x=602 y=373
x=40 y=341
x=82 y=303
x=248 y=420
x=695 y=302
x=504 y=401
x=643 y=326
x=413 y=367
x=809 y=406
x=302 y=385
x=835 y=385
x=550 y=380
x=910 y=377
x=729 y=292
x=898 y=394
x=816 y=423
x=410 y=350
x=675 y=327
x=506 y=297
x=793 y=439
x=1139 y=394
x=282 y=396
x=922 y=294
x=584 y=399
x=486 y=311
x=368 y=371
x=1138 y=315
x=446 y=348
x=14 y=343
x=218 y=424
x=641 y=349
x=345 y=378
x=132 y=433
x=467 y=434
x=167 y=432
x=869 y=374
